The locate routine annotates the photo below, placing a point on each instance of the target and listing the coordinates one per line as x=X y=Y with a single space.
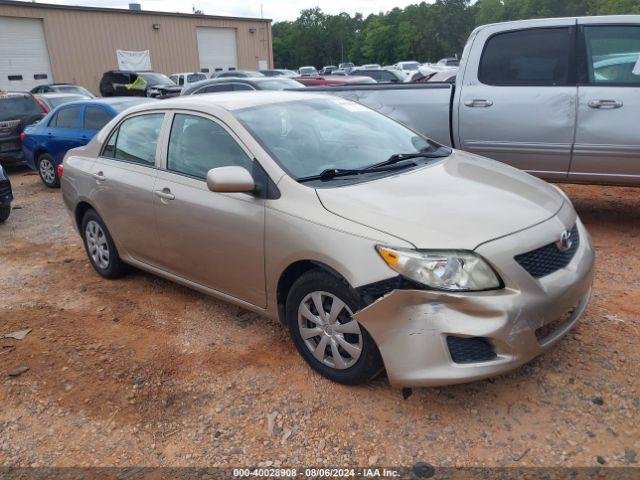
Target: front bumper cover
x=410 y=327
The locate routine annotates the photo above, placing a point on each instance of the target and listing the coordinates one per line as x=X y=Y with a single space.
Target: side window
x=240 y=87
x=197 y=145
x=612 y=54
x=95 y=118
x=223 y=87
x=537 y=56
x=136 y=139
x=66 y=118
x=109 y=149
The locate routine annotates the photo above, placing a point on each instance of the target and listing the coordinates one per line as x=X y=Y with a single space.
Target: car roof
x=5 y=94
x=58 y=95
x=231 y=100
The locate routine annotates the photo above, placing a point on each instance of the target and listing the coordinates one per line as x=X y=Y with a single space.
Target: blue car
x=70 y=125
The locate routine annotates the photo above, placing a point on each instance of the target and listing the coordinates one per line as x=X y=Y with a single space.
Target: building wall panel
x=82 y=44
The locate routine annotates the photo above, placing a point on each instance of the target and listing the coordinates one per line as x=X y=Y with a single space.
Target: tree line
x=423 y=32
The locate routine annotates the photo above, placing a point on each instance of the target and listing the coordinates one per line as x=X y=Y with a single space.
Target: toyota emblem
x=565 y=241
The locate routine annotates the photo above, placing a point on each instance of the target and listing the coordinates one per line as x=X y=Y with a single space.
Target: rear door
x=64 y=132
x=124 y=175
x=517 y=100
x=607 y=146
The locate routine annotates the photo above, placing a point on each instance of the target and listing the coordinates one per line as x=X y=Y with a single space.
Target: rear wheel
x=5 y=211
x=47 y=171
x=100 y=248
x=319 y=312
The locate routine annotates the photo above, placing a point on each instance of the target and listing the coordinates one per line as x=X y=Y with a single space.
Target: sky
x=274 y=9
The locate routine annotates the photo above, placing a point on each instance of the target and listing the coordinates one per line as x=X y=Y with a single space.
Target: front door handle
x=164 y=194
x=99 y=176
x=605 y=104
x=480 y=103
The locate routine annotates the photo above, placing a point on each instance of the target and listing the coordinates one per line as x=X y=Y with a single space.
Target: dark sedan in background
x=6 y=195
x=17 y=110
x=239 y=84
x=121 y=83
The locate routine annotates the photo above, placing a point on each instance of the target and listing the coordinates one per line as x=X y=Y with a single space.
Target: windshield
x=156 y=78
x=280 y=84
x=14 y=108
x=307 y=137
x=196 y=77
x=74 y=89
x=304 y=70
x=55 y=101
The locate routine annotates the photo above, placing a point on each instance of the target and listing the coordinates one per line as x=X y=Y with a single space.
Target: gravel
x=181 y=379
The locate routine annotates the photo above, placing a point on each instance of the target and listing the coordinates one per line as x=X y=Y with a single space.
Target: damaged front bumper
x=429 y=338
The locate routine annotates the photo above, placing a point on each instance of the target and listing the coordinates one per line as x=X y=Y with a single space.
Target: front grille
x=548 y=259
x=470 y=350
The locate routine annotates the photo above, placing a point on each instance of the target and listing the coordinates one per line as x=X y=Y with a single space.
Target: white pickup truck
x=559 y=98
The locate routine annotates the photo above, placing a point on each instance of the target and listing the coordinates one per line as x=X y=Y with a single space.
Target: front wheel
x=5 y=211
x=47 y=171
x=319 y=312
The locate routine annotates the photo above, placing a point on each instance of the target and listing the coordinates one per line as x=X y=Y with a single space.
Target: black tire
x=369 y=363
x=51 y=179
x=114 y=267
x=5 y=211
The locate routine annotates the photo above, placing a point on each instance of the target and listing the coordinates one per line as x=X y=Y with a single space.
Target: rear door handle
x=165 y=194
x=480 y=103
x=99 y=176
x=602 y=104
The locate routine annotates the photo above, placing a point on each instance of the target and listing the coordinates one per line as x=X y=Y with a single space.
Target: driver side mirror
x=230 y=180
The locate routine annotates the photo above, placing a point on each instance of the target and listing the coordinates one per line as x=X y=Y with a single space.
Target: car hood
x=459 y=202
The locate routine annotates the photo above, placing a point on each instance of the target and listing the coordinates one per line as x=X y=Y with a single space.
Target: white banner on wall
x=137 y=61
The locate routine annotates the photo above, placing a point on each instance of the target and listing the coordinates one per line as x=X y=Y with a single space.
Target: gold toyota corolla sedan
x=376 y=247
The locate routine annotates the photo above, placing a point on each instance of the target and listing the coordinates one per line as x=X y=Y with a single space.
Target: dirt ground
x=145 y=372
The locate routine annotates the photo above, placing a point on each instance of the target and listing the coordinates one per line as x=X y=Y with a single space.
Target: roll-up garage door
x=24 y=58
x=217 y=48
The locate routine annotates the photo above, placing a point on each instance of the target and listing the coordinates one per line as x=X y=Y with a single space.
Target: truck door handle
x=610 y=104
x=478 y=103
x=164 y=194
x=99 y=176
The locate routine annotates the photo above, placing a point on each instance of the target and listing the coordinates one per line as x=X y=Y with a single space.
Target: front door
x=607 y=147
x=125 y=174
x=517 y=101
x=213 y=239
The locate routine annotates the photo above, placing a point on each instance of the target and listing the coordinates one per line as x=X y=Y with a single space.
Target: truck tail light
x=22 y=137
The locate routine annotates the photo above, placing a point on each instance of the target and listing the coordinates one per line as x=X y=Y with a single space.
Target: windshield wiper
x=331 y=173
x=399 y=157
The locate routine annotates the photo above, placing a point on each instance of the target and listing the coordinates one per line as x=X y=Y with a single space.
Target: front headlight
x=454 y=270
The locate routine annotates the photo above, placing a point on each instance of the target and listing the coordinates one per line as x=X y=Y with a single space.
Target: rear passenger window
x=613 y=54
x=66 y=118
x=197 y=145
x=95 y=118
x=136 y=139
x=527 y=57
